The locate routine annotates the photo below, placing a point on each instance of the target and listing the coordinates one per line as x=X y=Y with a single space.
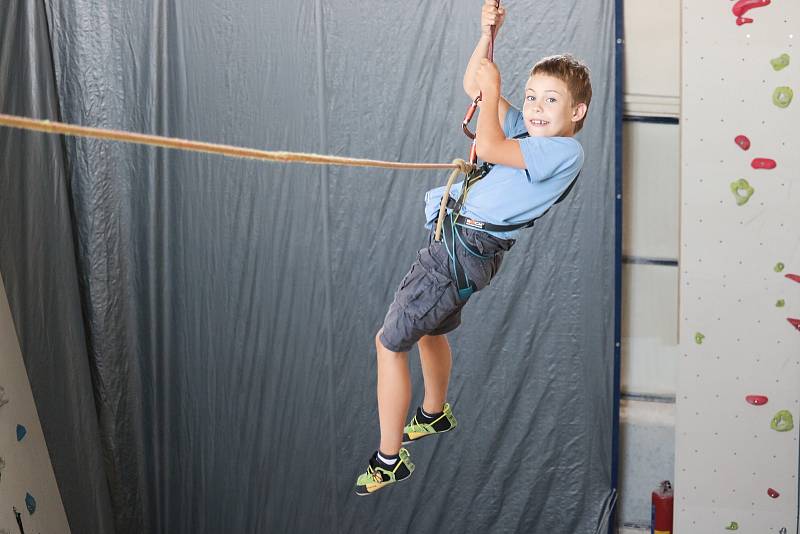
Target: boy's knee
x=424 y=341
x=431 y=341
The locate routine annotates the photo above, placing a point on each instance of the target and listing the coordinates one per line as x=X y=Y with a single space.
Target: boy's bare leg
x=394 y=396
x=436 y=359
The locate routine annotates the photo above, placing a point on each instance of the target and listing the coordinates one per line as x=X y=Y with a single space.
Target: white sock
x=387 y=461
x=426 y=414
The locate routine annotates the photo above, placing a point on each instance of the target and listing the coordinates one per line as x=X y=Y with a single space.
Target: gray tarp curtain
x=221 y=312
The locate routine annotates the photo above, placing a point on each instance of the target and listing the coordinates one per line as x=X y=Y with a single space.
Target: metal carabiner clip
x=468 y=117
x=473 y=150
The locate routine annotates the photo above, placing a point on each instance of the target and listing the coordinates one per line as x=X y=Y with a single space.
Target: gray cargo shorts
x=427 y=301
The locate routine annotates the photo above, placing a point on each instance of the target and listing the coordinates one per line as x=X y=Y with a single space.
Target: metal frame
x=619 y=37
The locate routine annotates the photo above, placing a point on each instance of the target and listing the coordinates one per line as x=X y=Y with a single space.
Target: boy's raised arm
x=491 y=143
x=491 y=15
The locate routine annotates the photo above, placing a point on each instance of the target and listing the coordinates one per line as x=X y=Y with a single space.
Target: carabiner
x=468 y=117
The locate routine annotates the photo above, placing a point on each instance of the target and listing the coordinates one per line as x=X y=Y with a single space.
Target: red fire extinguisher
x=661 y=509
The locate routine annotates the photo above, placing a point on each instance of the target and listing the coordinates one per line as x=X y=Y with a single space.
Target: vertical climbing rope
x=473 y=153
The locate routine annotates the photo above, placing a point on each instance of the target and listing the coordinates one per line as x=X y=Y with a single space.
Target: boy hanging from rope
x=536 y=161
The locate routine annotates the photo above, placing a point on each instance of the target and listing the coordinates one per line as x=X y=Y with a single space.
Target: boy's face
x=548 y=109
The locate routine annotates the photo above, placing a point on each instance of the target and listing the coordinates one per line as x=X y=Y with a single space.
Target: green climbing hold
x=733 y=526
x=780 y=304
x=782 y=422
x=698 y=338
x=742 y=190
x=782 y=96
x=780 y=62
x=779 y=267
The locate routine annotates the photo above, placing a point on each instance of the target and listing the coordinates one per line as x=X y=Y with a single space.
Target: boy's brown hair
x=572 y=72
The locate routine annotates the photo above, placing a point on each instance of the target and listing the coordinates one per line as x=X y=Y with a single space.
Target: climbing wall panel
x=29 y=497
x=738 y=399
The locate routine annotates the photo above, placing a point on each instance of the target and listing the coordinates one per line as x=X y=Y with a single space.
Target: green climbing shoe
x=378 y=477
x=417 y=429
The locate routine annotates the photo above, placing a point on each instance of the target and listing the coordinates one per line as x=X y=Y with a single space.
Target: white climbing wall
x=737 y=302
x=27 y=483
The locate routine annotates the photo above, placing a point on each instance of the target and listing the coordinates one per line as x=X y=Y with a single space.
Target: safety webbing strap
x=450 y=235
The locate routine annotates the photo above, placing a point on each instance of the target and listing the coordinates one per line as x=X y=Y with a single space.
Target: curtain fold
x=38 y=265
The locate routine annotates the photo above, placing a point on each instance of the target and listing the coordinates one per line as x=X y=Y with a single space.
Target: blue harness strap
x=451 y=233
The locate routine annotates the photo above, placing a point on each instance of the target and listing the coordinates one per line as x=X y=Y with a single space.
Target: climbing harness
x=454 y=221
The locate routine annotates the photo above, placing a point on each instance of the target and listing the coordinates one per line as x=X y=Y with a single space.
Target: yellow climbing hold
x=780 y=62
x=782 y=96
x=742 y=191
x=782 y=422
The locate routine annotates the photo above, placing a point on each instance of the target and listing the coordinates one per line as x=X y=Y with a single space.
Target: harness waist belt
x=455 y=206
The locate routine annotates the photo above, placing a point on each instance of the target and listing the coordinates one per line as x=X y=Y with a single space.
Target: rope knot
x=463 y=166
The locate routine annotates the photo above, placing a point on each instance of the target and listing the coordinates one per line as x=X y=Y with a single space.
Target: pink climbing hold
x=756 y=400
x=763 y=163
x=742 y=141
x=743 y=6
x=772 y=493
x=793 y=277
x=794 y=322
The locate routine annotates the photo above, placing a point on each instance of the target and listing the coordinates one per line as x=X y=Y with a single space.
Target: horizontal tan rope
x=38 y=125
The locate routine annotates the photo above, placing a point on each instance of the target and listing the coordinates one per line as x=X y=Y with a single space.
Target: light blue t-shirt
x=510 y=196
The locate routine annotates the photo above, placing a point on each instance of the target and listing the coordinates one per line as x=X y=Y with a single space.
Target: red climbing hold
x=742 y=141
x=743 y=6
x=756 y=400
x=763 y=163
x=795 y=277
x=743 y=20
x=772 y=493
x=794 y=322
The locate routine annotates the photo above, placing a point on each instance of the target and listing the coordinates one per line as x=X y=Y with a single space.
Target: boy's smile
x=548 y=109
